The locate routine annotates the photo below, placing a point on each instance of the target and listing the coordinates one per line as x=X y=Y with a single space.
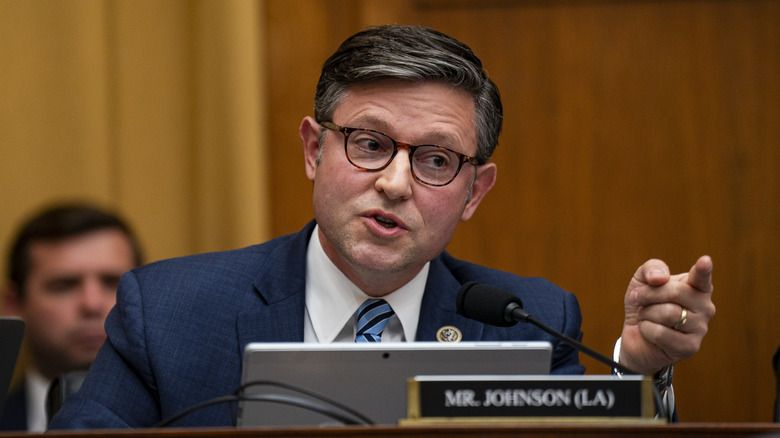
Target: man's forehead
x=431 y=111
x=391 y=87
x=92 y=246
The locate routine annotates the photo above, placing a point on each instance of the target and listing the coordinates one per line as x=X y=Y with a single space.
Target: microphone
x=494 y=306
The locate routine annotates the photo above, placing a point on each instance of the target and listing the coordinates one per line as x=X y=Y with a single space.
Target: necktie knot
x=372 y=318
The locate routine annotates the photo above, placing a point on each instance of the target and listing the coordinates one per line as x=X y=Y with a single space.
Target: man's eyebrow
x=439 y=138
x=370 y=122
x=446 y=138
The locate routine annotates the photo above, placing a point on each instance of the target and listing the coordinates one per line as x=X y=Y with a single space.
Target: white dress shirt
x=332 y=300
x=36 y=389
x=667 y=396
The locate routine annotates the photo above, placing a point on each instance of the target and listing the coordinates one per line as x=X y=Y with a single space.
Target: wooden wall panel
x=633 y=129
x=153 y=108
x=52 y=107
x=637 y=130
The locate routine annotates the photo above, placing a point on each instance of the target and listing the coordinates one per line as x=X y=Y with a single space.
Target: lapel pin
x=449 y=333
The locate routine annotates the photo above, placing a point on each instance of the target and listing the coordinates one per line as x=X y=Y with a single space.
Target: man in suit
x=64 y=267
x=384 y=214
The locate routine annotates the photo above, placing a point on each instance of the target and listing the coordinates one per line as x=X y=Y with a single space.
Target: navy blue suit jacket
x=178 y=331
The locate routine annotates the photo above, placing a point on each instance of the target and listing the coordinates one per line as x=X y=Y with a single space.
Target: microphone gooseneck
x=494 y=306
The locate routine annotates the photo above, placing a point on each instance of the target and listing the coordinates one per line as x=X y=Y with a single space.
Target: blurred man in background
x=64 y=266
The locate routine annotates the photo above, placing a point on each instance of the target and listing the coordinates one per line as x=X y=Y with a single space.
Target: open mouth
x=385 y=222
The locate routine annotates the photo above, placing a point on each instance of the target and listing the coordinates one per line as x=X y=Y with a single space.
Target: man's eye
x=110 y=282
x=370 y=145
x=434 y=158
x=62 y=285
x=438 y=161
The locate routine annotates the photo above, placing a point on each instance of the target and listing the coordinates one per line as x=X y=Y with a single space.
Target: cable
x=363 y=419
x=301 y=403
x=214 y=401
x=324 y=408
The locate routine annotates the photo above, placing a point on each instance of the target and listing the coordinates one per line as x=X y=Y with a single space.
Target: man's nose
x=396 y=180
x=94 y=298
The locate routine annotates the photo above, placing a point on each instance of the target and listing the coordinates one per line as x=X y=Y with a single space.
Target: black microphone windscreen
x=486 y=304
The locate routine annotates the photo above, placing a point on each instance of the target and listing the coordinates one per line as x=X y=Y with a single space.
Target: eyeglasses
x=373 y=151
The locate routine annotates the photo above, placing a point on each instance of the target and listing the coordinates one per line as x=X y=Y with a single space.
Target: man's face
x=380 y=228
x=70 y=288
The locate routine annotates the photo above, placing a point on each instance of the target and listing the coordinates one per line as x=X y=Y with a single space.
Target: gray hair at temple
x=414 y=54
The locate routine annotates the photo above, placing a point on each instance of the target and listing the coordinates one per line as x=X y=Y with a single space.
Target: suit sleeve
x=119 y=390
x=565 y=358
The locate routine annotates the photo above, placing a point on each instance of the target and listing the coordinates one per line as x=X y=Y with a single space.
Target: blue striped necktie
x=372 y=318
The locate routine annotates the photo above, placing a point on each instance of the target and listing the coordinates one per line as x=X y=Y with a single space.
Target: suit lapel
x=438 y=306
x=280 y=286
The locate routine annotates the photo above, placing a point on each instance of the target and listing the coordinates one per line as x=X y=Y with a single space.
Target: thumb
x=653 y=272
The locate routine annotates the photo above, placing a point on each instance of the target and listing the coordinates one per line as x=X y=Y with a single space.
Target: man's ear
x=12 y=305
x=486 y=178
x=309 y=132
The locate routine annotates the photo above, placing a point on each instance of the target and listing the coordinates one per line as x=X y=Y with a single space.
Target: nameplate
x=524 y=397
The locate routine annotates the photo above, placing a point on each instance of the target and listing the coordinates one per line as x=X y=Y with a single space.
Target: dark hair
x=60 y=222
x=416 y=54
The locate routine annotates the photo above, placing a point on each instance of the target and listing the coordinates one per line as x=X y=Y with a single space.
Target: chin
x=384 y=264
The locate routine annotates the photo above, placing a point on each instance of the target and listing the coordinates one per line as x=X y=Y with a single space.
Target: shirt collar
x=332 y=299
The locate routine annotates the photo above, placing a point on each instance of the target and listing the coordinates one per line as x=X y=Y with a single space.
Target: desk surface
x=720 y=430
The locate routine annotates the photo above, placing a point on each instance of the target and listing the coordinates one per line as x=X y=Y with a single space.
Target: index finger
x=700 y=275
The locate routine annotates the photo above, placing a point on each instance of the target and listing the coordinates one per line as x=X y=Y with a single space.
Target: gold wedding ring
x=683 y=319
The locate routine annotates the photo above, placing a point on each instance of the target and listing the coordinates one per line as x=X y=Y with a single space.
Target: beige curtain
x=154 y=108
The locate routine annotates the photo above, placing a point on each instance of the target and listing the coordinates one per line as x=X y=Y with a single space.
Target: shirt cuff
x=667 y=394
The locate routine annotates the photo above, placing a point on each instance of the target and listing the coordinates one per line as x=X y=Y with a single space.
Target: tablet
x=368 y=378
